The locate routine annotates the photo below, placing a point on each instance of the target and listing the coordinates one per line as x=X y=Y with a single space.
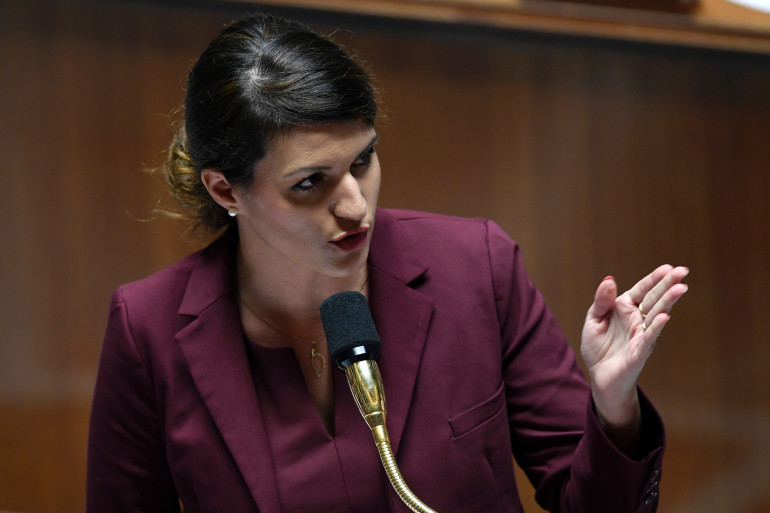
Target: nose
x=349 y=201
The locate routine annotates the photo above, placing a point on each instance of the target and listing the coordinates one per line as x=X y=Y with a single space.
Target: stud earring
x=232 y=211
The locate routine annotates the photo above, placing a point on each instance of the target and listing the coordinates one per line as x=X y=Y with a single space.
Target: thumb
x=604 y=299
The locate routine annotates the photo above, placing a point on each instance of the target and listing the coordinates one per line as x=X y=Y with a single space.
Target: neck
x=290 y=298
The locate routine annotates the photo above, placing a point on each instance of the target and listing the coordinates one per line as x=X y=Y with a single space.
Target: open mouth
x=351 y=241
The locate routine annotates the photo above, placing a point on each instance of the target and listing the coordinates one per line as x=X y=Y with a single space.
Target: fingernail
x=609 y=278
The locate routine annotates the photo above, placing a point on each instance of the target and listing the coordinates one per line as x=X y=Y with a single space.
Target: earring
x=232 y=211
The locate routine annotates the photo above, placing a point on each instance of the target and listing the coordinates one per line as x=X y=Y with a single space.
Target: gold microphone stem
x=366 y=386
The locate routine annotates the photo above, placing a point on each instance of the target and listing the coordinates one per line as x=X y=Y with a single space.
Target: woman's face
x=312 y=203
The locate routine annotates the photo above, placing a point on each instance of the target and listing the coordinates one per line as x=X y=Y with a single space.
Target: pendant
x=318 y=361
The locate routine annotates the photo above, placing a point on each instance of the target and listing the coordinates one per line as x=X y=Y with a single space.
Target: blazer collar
x=401 y=313
x=213 y=345
x=211 y=277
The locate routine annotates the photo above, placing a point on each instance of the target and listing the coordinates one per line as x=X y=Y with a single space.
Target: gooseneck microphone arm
x=354 y=346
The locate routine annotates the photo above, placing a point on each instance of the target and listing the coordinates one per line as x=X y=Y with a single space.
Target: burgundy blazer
x=474 y=365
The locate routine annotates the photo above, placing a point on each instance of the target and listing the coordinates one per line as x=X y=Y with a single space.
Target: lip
x=352 y=240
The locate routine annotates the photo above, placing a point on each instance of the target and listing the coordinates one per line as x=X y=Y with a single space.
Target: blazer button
x=653 y=480
x=652 y=489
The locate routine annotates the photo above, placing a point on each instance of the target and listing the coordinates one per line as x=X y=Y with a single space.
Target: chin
x=351 y=263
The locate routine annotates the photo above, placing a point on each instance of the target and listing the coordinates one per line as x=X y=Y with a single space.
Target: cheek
x=271 y=216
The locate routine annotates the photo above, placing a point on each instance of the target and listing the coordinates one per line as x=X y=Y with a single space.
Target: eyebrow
x=315 y=169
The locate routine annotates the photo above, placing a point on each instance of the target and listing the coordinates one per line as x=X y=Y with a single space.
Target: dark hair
x=262 y=75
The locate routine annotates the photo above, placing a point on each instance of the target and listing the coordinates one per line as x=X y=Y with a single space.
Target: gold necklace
x=317 y=359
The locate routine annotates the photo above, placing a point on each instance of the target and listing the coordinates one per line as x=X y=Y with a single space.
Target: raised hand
x=619 y=336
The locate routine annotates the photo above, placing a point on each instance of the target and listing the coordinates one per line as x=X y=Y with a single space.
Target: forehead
x=318 y=144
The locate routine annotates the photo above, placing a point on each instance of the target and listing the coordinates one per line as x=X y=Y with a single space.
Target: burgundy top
x=315 y=471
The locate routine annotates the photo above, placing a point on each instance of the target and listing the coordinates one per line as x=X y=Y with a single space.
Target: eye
x=308 y=183
x=363 y=160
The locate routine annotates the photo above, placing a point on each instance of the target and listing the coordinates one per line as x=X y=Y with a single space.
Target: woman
x=215 y=388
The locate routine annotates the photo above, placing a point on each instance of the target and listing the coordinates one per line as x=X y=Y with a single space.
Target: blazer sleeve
x=127 y=469
x=555 y=435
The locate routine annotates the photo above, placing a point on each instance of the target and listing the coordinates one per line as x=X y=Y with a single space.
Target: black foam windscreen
x=349 y=326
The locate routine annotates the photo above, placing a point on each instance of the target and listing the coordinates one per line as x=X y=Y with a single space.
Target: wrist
x=621 y=420
x=617 y=409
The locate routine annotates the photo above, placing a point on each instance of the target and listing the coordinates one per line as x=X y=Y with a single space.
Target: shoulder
x=419 y=219
x=163 y=282
x=163 y=292
x=471 y=252
x=438 y=232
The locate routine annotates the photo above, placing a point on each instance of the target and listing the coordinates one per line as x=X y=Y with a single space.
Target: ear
x=219 y=188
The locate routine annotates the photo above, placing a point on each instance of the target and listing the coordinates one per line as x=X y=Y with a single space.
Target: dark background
x=599 y=157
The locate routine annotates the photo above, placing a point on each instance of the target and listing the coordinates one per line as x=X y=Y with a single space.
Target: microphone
x=354 y=346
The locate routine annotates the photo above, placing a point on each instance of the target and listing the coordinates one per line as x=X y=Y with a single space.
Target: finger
x=604 y=298
x=669 y=299
x=643 y=286
x=650 y=301
x=649 y=336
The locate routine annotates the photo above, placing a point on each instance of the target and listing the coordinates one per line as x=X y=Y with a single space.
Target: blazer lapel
x=213 y=345
x=402 y=315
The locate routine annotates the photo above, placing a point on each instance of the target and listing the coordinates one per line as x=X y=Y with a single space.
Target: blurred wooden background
x=600 y=157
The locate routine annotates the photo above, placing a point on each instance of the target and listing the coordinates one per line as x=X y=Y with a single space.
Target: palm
x=614 y=344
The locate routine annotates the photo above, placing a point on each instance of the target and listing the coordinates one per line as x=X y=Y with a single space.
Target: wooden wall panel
x=599 y=158
x=714 y=24
x=86 y=93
